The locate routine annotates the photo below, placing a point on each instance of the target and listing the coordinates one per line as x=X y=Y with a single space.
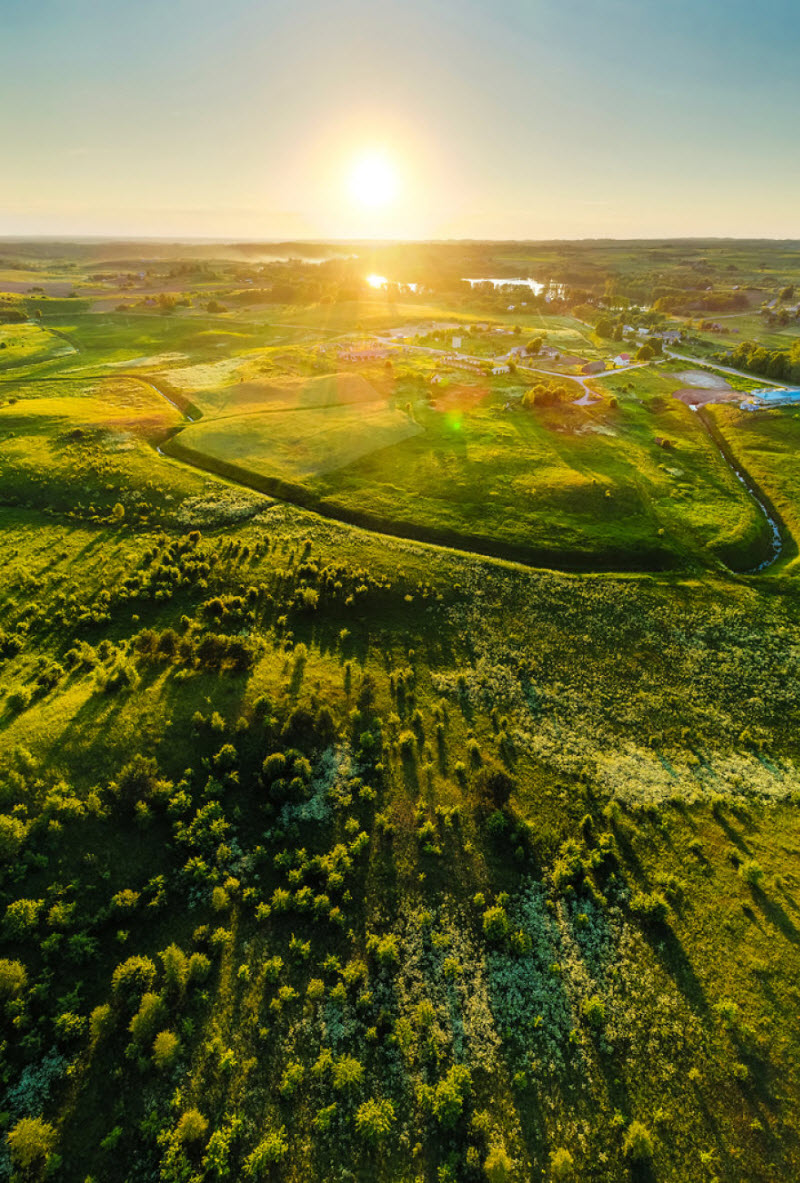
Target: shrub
x=166 y=1046
x=292 y=1077
x=198 y=968
x=374 y=1119
x=638 y=1144
x=136 y=781
x=752 y=872
x=272 y=1148
x=30 y=1141
x=100 y=1020
x=150 y=1015
x=176 y=968
x=21 y=918
x=133 y=977
x=496 y=924
x=191 y=1127
x=594 y=1011
x=498 y=1166
x=562 y=1165
x=13 y=978
x=346 y=1073
x=650 y=906
x=13 y=832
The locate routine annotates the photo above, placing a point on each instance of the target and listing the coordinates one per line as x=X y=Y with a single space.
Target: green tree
x=498 y=1167
x=166 y=1046
x=150 y=1015
x=562 y=1166
x=31 y=1142
x=13 y=978
x=638 y=1144
x=192 y=1127
x=374 y=1119
x=271 y=1149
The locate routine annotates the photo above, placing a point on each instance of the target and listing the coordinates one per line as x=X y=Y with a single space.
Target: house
x=500 y=369
x=622 y=359
x=456 y=343
x=436 y=379
x=363 y=353
x=593 y=367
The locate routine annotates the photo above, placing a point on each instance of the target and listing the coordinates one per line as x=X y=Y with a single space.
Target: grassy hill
x=370 y=843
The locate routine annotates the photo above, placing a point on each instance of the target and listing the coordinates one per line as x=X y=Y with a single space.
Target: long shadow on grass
x=670 y=952
x=776 y=915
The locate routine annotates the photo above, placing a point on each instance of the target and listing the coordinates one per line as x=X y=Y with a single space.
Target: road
x=707 y=365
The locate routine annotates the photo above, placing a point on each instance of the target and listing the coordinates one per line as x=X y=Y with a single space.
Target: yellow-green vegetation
x=767 y=445
x=327 y=854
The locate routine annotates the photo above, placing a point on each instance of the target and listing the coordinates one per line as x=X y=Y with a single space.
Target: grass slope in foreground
x=333 y=858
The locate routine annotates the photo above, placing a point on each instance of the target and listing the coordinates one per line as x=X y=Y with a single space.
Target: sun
x=373 y=180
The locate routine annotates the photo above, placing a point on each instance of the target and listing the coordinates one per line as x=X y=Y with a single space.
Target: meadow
x=329 y=851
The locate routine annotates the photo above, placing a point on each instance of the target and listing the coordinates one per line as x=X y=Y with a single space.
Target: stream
x=776 y=541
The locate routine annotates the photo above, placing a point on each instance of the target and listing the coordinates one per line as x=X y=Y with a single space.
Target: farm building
x=622 y=359
x=593 y=367
x=363 y=353
x=759 y=400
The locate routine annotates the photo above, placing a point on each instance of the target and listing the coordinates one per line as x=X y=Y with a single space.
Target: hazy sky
x=500 y=119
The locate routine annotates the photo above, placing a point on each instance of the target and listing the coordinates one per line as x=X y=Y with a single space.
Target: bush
x=374 y=1119
x=191 y=1127
x=638 y=1144
x=498 y=1166
x=13 y=978
x=562 y=1165
x=752 y=872
x=594 y=1011
x=21 y=918
x=176 y=968
x=133 y=977
x=31 y=1141
x=136 y=782
x=150 y=1015
x=166 y=1046
x=272 y=1148
x=496 y=925
x=13 y=833
x=649 y=906
x=100 y=1020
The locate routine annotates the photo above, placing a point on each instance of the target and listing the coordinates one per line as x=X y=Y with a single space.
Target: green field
x=345 y=834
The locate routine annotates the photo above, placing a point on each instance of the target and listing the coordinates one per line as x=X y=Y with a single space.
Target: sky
x=491 y=119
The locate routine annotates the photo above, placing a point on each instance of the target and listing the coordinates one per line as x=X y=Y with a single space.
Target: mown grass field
x=579 y=483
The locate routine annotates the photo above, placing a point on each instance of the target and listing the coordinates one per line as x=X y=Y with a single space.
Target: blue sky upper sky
x=498 y=118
